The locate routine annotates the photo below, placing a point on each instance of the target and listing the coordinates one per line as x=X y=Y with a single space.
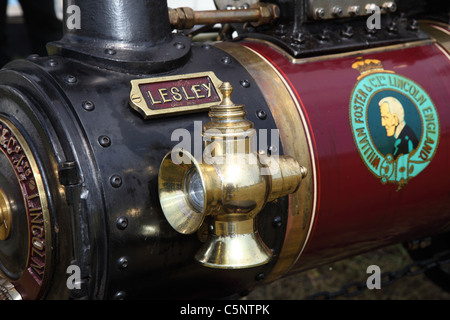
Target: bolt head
x=245 y=83
x=337 y=11
x=226 y=60
x=277 y=222
x=261 y=114
x=104 y=141
x=354 y=10
x=88 y=105
x=70 y=79
x=116 y=181
x=390 y=6
x=371 y=7
x=123 y=263
x=122 y=223
x=119 y=295
x=319 y=13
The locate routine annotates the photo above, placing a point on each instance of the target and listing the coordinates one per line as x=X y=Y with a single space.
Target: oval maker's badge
x=394 y=123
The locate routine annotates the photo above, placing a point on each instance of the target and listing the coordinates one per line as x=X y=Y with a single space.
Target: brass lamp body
x=237 y=182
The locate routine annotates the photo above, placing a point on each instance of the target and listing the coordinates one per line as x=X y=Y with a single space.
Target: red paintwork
x=355 y=211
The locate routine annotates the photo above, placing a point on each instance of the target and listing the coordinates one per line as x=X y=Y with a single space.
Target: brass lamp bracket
x=231 y=184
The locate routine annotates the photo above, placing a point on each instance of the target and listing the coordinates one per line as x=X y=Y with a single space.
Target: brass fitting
x=257 y=14
x=5 y=216
x=231 y=184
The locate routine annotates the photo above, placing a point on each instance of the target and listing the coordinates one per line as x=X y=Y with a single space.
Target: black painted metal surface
x=132 y=37
x=121 y=239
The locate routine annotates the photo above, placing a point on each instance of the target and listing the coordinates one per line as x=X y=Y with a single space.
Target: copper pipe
x=186 y=18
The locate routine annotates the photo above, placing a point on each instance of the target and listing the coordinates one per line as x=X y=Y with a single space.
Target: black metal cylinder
x=135 y=37
x=140 y=23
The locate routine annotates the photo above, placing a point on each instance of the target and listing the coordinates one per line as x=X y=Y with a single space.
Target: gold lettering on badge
x=172 y=95
x=177 y=94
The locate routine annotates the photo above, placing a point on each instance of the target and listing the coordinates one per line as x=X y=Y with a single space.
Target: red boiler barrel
x=375 y=128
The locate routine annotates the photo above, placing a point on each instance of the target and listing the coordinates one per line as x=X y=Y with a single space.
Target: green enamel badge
x=394 y=123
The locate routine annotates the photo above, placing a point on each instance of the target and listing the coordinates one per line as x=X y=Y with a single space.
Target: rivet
x=260 y=276
x=70 y=79
x=245 y=83
x=122 y=223
x=119 y=295
x=88 y=105
x=261 y=114
x=33 y=56
x=110 y=51
x=116 y=181
x=179 y=45
x=226 y=60
x=104 y=141
x=277 y=222
x=122 y=263
x=52 y=63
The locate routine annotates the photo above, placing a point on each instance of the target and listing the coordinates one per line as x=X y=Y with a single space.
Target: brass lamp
x=231 y=184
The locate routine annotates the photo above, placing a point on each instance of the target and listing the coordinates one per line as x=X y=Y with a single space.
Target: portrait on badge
x=394 y=122
x=395 y=126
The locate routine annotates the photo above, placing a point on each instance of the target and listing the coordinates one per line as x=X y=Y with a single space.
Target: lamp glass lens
x=195 y=191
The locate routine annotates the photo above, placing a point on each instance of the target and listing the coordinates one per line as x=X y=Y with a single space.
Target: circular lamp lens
x=195 y=192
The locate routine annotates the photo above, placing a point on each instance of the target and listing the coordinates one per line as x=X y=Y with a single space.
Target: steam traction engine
x=155 y=161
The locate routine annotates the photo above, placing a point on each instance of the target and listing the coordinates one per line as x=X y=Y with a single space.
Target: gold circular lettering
x=16 y=149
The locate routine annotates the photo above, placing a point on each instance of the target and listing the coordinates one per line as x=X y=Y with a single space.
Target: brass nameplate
x=156 y=97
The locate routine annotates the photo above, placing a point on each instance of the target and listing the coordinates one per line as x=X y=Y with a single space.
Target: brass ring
x=5 y=216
